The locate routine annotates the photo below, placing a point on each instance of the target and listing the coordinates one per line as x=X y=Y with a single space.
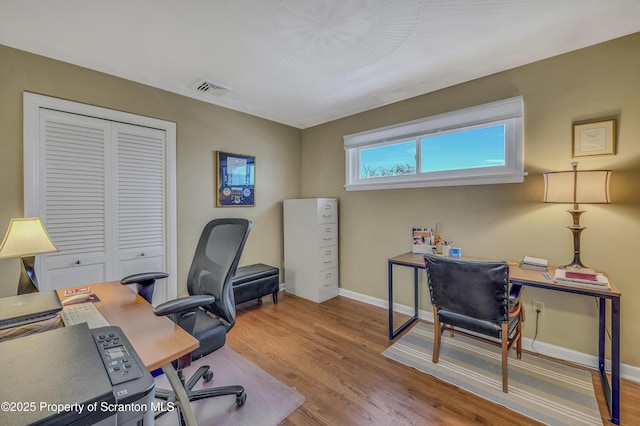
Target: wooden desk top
x=516 y=273
x=157 y=340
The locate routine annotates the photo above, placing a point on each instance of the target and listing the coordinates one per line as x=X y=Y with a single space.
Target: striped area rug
x=544 y=390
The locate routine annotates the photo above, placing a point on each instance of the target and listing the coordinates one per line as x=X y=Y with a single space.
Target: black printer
x=74 y=376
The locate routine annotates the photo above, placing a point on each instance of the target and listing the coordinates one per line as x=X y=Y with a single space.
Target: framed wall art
x=592 y=139
x=235 y=180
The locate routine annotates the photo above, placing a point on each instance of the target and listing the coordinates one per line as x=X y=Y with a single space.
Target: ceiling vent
x=212 y=88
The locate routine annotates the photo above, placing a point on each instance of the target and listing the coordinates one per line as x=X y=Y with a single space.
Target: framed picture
x=591 y=139
x=235 y=180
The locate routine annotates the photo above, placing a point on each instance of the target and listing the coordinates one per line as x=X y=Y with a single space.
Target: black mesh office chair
x=209 y=284
x=475 y=296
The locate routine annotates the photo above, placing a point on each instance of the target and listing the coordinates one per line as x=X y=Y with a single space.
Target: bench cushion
x=254 y=281
x=253 y=272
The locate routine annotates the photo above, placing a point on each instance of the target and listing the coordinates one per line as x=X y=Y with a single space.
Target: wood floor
x=331 y=353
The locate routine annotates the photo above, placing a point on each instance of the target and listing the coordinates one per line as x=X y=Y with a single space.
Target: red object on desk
x=581 y=273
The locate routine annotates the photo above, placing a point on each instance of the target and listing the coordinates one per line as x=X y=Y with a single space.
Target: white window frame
x=509 y=112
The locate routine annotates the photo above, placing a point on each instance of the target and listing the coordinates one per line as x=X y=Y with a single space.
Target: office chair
x=475 y=296
x=210 y=293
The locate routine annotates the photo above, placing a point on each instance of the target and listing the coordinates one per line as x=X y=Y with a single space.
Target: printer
x=74 y=376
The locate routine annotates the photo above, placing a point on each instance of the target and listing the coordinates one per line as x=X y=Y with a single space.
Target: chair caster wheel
x=241 y=399
x=208 y=376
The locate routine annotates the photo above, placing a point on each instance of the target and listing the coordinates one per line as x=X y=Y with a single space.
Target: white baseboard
x=626 y=371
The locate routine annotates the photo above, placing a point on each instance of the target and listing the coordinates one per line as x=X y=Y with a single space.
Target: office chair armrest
x=145 y=283
x=183 y=304
x=143 y=277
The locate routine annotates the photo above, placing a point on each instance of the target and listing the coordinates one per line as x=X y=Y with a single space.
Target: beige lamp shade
x=588 y=186
x=26 y=237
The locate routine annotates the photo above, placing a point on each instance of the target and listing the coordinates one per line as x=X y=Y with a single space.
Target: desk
x=157 y=340
x=532 y=278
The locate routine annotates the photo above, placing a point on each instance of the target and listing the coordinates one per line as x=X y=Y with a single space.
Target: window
x=478 y=145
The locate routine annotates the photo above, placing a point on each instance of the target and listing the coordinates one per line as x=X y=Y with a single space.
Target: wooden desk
x=157 y=340
x=531 y=278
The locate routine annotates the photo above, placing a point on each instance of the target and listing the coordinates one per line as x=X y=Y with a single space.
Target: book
x=582 y=285
x=601 y=282
x=539 y=264
x=581 y=273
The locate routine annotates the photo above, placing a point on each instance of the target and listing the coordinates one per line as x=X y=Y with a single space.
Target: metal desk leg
x=615 y=360
x=602 y=303
x=393 y=333
x=611 y=393
x=181 y=395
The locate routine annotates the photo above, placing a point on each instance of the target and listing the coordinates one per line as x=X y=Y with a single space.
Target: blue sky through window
x=482 y=147
x=385 y=159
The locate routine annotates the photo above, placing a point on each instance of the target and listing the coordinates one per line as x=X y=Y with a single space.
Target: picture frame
x=594 y=139
x=235 y=180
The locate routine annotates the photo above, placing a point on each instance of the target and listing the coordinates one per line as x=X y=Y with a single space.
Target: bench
x=254 y=281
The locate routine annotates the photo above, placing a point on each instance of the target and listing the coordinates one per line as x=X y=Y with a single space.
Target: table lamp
x=575 y=187
x=25 y=238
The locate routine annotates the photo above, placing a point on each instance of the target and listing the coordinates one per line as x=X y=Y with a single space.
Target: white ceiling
x=306 y=62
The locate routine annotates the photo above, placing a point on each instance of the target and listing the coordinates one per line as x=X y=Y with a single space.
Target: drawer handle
x=327 y=261
x=327 y=215
x=141 y=254
x=77 y=262
x=328 y=239
x=328 y=275
x=327 y=253
x=327 y=206
x=327 y=229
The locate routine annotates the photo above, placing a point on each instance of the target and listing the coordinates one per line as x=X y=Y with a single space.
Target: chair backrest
x=473 y=288
x=215 y=262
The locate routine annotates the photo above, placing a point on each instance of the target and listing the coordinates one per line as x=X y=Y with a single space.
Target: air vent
x=212 y=88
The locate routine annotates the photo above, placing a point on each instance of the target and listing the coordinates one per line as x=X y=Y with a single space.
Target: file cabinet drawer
x=329 y=279
x=327 y=211
x=327 y=235
x=328 y=257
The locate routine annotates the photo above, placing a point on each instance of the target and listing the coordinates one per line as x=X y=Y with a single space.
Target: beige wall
x=202 y=129
x=507 y=221
x=501 y=221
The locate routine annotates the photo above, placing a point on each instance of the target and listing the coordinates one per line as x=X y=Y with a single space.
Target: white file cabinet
x=311 y=248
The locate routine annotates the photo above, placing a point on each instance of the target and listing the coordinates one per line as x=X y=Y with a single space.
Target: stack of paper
x=534 y=263
x=601 y=282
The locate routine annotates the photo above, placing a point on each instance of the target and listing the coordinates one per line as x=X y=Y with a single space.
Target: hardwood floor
x=331 y=352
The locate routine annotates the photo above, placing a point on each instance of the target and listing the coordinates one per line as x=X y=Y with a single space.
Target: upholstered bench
x=254 y=281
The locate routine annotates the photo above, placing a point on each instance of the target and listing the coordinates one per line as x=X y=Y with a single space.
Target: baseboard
x=626 y=371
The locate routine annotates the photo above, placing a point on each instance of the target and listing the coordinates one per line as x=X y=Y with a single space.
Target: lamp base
x=28 y=282
x=576 y=230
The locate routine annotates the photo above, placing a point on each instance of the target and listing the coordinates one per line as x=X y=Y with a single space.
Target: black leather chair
x=209 y=312
x=475 y=296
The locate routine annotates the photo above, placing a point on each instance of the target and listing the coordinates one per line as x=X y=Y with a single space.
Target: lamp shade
x=26 y=237
x=577 y=186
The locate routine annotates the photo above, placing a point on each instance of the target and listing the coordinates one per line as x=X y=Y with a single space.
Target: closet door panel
x=74 y=197
x=139 y=209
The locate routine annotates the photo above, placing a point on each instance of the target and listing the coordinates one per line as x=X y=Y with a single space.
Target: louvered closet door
x=141 y=200
x=73 y=175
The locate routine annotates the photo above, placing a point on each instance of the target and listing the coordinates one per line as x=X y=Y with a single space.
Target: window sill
x=515 y=177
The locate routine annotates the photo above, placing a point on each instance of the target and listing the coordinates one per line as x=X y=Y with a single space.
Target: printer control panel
x=118 y=357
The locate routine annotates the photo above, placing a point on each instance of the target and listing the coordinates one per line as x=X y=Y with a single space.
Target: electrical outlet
x=538 y=307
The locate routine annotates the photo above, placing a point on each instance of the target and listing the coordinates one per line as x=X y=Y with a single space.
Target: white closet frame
x=33 y=103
